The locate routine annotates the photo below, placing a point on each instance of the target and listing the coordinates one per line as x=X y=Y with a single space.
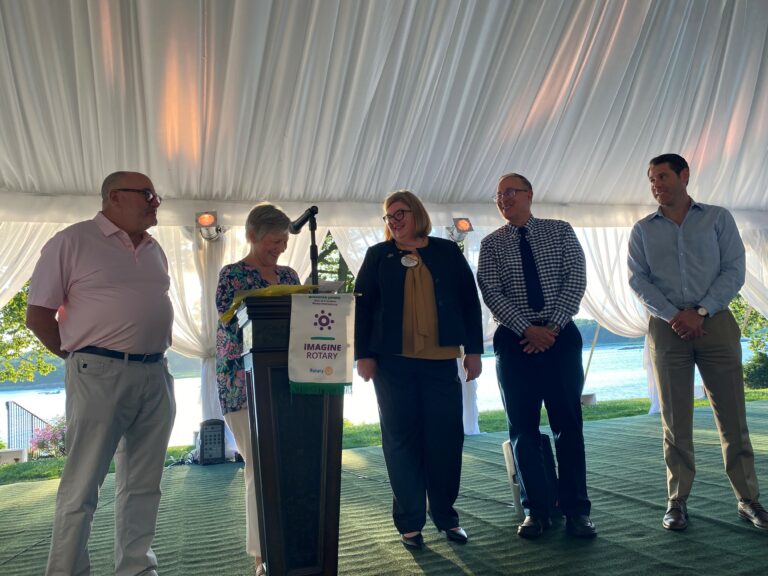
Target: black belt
x=538 y=322
x=146 y=358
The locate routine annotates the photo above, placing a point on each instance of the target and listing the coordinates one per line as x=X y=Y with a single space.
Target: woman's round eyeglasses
x=396 y=216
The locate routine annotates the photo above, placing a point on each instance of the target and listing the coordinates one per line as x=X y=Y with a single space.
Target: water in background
x=616 y=372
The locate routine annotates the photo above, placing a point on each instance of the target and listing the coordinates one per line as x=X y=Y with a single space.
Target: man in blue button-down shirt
x=686 y=263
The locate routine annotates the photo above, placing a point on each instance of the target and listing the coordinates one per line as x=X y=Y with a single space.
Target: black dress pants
x=422 y=436
x=556 y=378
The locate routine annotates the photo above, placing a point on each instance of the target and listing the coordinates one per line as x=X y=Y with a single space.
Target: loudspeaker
x=211 y=442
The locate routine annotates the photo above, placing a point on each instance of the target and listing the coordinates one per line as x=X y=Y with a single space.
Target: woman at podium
x=418 y=306
x=266 y=230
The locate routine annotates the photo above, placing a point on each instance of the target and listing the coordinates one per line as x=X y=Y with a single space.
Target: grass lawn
x=358 y=436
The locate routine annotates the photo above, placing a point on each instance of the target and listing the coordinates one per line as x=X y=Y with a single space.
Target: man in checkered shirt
x=538 y=352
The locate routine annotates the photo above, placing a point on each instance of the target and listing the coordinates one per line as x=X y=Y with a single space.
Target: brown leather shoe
x=533 y=527
x=753 y=511
x=676 y=517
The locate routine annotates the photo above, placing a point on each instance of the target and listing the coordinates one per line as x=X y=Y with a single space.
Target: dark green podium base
x=296 y=443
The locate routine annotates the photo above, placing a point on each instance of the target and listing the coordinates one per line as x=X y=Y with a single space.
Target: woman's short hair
x=264 y=219
x=422 y=225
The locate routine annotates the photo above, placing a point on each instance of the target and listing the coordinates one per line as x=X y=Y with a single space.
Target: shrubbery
x=49 y=440
x=756 y=371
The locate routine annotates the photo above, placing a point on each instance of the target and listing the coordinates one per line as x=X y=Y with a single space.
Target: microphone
x=296 y=226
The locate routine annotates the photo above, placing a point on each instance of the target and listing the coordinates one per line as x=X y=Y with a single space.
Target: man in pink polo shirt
x=99 y=298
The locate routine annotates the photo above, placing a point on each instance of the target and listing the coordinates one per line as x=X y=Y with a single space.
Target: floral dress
x=230 y=374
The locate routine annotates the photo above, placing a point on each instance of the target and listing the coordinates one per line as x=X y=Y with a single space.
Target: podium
x=296 y=442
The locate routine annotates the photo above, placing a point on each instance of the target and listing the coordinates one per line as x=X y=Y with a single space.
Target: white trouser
x=238 y=423
x=121 y=409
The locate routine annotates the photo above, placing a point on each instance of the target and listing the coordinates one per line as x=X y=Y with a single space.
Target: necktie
x=532 y=282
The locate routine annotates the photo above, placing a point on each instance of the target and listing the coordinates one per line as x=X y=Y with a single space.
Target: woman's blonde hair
x=422 y=225
x=265 y=219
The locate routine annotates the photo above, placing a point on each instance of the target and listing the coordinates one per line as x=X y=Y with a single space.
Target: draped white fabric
x=194 y=266
x=20 y=244
x=224 y=103
x=608 y=298
x=340 y=101
x=353 y=243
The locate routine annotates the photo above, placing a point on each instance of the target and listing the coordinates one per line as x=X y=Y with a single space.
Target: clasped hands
x=687 y=324
x=538 y=339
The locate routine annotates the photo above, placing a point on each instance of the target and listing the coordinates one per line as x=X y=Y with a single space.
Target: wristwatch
x=703 y=312
x=552 y=327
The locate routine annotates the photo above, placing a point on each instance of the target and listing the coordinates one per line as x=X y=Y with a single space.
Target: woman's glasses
x=396 y=216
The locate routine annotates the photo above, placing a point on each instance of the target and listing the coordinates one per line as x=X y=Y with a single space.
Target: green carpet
x=200 y=528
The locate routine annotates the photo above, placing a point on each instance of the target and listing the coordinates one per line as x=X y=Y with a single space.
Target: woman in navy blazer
x=418 y=311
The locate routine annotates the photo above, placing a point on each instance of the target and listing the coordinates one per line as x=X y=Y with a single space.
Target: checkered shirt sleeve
x=562 y=270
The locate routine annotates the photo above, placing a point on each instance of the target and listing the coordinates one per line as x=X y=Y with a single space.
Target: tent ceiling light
x=461 y=226
x=207 y=223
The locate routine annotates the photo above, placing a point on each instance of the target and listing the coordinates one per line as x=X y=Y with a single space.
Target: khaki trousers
x=718 y=357
x=241 y=429
x=121 y=409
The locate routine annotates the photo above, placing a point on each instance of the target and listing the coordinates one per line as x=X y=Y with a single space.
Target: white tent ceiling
x=224 y=103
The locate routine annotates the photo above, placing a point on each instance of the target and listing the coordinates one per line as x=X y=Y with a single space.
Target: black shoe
x=533 y=527
x=413 y=542
x=676 y=517
x=457 y=535
x=580 y=526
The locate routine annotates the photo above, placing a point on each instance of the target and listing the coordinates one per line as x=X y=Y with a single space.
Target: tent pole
x=591 y=351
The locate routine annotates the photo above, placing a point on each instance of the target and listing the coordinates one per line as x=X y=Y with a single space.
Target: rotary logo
x=324 y=320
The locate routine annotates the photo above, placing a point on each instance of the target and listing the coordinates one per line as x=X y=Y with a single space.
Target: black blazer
x=379 y=308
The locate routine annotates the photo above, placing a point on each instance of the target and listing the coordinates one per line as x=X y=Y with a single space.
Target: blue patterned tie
x=531 y=275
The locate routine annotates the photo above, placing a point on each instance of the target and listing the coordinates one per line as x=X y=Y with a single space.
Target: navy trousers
x=422 y=437
x=556 y=378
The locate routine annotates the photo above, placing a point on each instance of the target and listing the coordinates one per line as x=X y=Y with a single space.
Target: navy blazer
x=379 y=306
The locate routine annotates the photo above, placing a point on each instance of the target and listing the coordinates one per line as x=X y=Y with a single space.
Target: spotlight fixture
x=207 y=223
x=459 y=230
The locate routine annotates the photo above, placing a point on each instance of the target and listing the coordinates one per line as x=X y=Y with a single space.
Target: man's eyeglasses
x=508 y=193
x=149 y=195
x=396 y=216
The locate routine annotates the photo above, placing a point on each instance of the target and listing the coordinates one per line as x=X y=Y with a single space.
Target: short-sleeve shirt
x=230 y=375
x=108 y=292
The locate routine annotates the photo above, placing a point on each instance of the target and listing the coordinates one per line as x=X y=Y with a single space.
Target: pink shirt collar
x=109 y=228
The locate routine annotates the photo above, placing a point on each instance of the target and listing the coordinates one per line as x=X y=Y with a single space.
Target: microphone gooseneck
x=296 y=226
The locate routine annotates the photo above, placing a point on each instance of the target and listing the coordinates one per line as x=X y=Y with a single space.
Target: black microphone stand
x=313 y=252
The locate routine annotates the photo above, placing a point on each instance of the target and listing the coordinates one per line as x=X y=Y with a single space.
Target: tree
x=331 y=265
x=754 y=326
x=22 y=356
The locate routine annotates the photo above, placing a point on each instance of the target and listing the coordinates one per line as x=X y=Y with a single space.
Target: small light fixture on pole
x=207 y=223
x=461 y=227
